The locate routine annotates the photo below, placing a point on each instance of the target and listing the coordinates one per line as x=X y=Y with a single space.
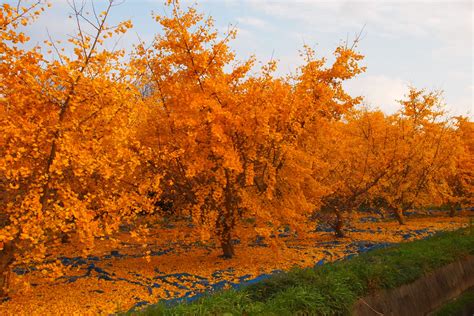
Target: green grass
x=456 y=306
x=331 y=289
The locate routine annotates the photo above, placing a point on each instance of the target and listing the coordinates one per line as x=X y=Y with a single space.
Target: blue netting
x=369 y=219
x=416 y=234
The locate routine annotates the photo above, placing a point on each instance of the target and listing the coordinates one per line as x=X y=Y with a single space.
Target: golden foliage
x=184 y=131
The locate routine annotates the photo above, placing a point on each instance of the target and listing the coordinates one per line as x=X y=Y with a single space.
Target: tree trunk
x=227 y=220
x=6 y=258
x=65 y=238
x=399 y=216
x=338 y=227
x=452 y=211
x=227 y=246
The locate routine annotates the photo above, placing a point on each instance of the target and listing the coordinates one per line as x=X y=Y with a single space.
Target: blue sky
x=428 y=44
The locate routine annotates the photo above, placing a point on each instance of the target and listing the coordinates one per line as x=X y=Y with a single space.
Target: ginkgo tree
x=422 y=149
x=66 y=138
x=455 y=184
x=228 y=142
x=207 y=137
x=355 y=160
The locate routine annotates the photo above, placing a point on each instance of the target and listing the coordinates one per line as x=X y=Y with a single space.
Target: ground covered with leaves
x=124 y=273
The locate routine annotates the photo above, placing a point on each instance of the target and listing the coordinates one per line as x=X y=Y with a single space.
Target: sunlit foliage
x=180 y=130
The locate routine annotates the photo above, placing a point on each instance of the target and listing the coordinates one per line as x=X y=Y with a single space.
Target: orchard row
x=94 y=138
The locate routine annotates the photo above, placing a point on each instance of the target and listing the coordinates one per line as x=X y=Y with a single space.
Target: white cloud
x=448 y=20
x=379 y=91
x=252 y=21
x=463 y=104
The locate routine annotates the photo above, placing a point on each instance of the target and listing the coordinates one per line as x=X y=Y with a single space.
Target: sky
x=425 y=44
